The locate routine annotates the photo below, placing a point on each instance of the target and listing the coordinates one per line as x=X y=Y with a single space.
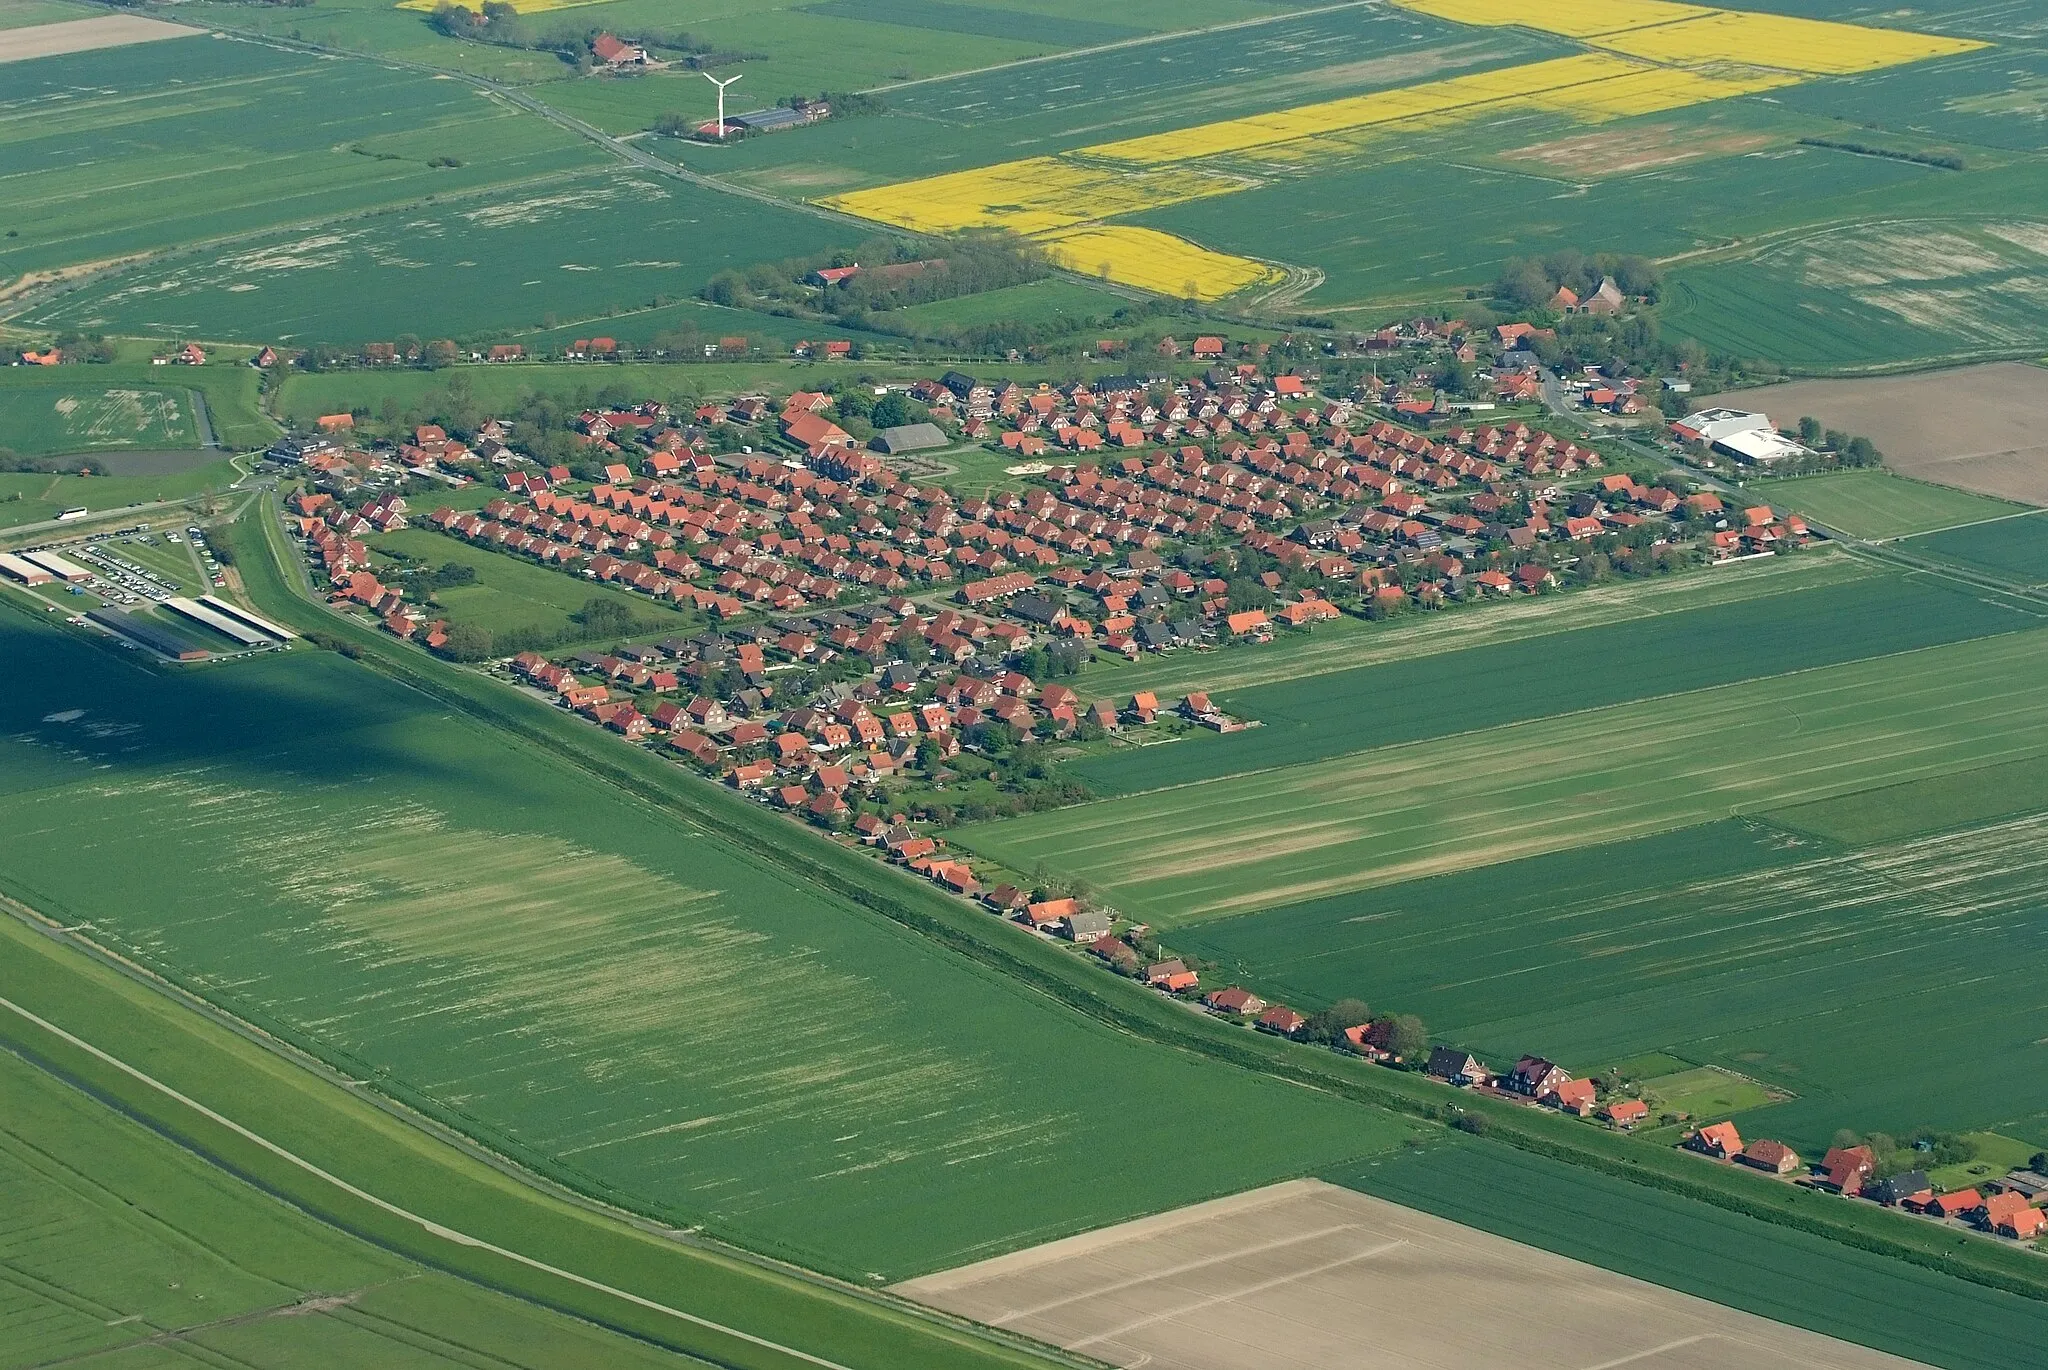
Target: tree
x=1409 y=1040
x=467 y=642
x=1328 y=1024
x=1810 y=430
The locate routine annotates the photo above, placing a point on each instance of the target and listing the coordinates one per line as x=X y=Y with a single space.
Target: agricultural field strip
x=1212 y=850
x=1417 y=635
x=1054 y=196
x=426 y=1225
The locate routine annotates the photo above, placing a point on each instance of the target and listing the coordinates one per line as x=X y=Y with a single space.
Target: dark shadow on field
x=302 y=715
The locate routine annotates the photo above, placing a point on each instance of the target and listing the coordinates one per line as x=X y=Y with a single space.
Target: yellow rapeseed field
x=1029 y=197
x=1151 y=260
x=1691 y=35
x=1810 y=46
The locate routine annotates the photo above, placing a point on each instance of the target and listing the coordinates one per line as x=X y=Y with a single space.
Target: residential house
x=1235 y=1001
x=1719 y=1140
x=1845 y=1169
x=1459 y=1067
x=1535 y=1077
x=1625 y=1113
x=1774 y=1158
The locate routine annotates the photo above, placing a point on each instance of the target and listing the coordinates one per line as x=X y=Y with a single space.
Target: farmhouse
x=1625 y=1113
x=1774 y=1158
x=615 y=53
x=1845 y=1169
x=1458 y=1067
x=1535 y=1077
x=1719 y=1140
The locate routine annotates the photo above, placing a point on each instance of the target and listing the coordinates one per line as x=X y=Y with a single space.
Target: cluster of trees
x=1922 y=1149
x=861 y=412
x=1947 y=161
x=1051 y=660
x=85 y=347
x=969 y=265
x=1836 y=447
x=1530 y=282
x=11 y=460
x=600 y=617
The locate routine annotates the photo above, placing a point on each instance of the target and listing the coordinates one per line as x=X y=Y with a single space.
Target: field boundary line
x=1956 y=527
x=427 y=1225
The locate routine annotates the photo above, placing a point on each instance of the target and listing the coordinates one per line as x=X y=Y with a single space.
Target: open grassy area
x=1309 y=831
x=1876 y=505
x=1677 y=1242
x=1783 y=960
x=513 y=594
x=122 y=1245
x=592 y=985
x=60 y=418
x=1318 y=717
x=1707 y=1093
x=169 y=144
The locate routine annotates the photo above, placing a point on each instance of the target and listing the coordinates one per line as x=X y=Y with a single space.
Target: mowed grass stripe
x=1216 y=849
x=1452 y=692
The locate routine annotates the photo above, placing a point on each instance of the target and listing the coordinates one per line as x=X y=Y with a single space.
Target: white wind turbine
x=721 y=98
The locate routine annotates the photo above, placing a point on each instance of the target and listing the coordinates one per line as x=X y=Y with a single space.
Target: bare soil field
x=1981 y=428
x=85 y=35
x=1309 y=1275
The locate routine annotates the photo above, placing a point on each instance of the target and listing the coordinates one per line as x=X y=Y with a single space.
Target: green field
x=511 y=593
x=589 y=984
x=1041 y=304
x=1783 y=960
x=51 y=419
x=116 y=1238
x=1275 y=837
x=1673 y=1241
x=1869 y=817
x=571 y=248
x=991 y=116
x=30 y=497
x=1876 y=505
x=2014 y=549
x=16 y=14
x=1705 y=1093
x=171 y=144
x=1323 y=716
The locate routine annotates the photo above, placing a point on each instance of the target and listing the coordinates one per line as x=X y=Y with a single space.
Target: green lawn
x=1884 y=814
x=1996 y=1154
x=116 y=1237
x=1708 y=1093
x=591 y=984
x=1876 y=505
x=1371 y=818
x=63 y=418
x=1045 y=304
x=1318 y=717
x=1771 y=1271
x=513 y=594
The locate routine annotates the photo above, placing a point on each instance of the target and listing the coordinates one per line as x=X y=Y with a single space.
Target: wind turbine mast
x=721 y=98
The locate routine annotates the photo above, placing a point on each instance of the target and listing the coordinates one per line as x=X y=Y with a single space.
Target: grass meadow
x=1323 y=716
x=1725 y=1257
x=588 y=984
x=1877 y=505
x=1215 y=850
x=1784 y=958
x=171 y=144
x=117 y=1238
x=511 y=593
